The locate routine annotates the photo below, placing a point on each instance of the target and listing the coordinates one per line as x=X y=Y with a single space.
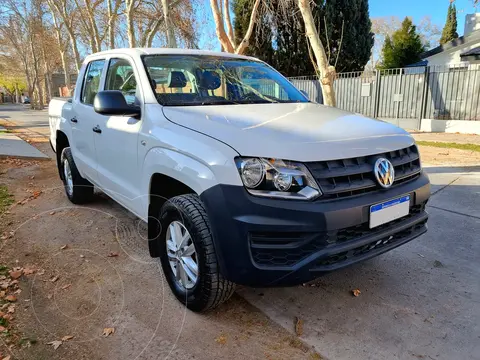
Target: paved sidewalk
x=12 y=145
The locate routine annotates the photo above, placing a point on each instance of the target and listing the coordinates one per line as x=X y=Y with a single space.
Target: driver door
x=117 y=144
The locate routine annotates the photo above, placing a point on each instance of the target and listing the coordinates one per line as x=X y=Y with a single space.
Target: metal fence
x=406 y=95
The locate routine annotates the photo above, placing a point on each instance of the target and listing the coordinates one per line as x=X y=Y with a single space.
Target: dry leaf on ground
x=56 y=344
x=63 y=247
x=2 y=328
x=67 y=337
x=11 y=298
x=112 y=254
x=65 y=287
x=108 y=331
x=356 y=292
x=298 y=326
x=55 y=278
x=28 y=271
x=11 y=309
x=222 y=339
x=52 y=213
x=15 y=274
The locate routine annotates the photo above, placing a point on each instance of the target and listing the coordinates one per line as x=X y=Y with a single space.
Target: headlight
x=277 y=178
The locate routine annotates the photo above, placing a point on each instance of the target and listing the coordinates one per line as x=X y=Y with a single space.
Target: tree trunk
x=130 y=25
x=93 y=26
x=327 y=73
x=242 y=47
x=171 y=40
x=219 y=28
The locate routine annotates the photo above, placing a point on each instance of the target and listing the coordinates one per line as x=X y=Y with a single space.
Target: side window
x=120 y=76
x=91 y=82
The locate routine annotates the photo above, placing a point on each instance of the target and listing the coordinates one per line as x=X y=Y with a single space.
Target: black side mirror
x=112 y=102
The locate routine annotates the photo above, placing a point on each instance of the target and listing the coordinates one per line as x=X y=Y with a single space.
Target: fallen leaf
x=108 y=331
x=68 y=337
x=8 y=317
x=36 y=194
x=2 y=314
x=2 y=294
x=298 y=326
x=65 y=287
x=28 y=271
x=63 y=247
x=49 y=296
x=356 y=292
x=222 y=339
x=41 y=272
x=2 y=328
x=112 y=254
x=15 y=274
x=55 y=278
x=56 y=344
x=6 y=358
x=11 y=309
x=52 y=213
x=82 y=256
x=10 y=298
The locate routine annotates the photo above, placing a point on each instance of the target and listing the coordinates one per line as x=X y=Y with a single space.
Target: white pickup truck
x=241 y=178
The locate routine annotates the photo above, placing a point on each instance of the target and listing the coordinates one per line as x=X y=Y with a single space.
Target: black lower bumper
x=267 y=242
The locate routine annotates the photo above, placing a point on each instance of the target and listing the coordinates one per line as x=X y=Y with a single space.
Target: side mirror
x=305 y=94
x=112 y=102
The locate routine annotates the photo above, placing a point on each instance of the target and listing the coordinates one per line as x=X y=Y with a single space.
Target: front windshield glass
x=180 y=80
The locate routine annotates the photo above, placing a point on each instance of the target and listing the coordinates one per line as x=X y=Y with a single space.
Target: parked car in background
x=26 y=100
x=240 y=178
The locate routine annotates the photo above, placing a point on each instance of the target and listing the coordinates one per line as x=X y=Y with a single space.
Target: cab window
x=120 y=76
x=91 y=81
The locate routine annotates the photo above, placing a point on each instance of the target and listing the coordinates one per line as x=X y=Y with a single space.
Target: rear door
x=83 y=120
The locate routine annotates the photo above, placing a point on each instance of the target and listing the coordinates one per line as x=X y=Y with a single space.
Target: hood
x=292 y=131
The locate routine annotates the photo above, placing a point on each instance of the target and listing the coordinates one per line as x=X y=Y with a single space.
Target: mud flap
x=153 y=231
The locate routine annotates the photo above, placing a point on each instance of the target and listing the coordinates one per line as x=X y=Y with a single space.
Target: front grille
x=354 y=176
x=287 y=249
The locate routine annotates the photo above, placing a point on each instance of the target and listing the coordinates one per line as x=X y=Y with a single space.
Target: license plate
x=389 y=210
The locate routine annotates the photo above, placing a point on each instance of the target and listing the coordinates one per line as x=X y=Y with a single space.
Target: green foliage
x=5 y=201
x=403 y=48
x=354 y=51
x=11 y=83
x=279 y=38
x=449 y=32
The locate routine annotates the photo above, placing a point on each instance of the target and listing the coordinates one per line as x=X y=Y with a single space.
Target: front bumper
x=268 y=242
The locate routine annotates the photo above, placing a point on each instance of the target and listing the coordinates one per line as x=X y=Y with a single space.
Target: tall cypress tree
x=354 y=48
x=449 y=32
x=404 y=48
x=279 y=39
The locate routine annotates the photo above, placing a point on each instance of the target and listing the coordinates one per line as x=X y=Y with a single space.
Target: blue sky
x=436 y=9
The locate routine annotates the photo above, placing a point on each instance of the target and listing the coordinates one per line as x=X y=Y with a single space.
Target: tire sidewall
x=64 y=157
x=171 y=212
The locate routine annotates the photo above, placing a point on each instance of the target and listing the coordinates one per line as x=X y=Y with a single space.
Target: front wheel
x=188 y=256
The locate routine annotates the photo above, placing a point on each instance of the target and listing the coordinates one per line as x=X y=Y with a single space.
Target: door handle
x=74 y=120
x=97 y=129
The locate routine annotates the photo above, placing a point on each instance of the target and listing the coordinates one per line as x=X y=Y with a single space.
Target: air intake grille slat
x=354 y=176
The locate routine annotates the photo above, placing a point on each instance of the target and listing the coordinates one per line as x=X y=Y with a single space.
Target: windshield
x=180 y=80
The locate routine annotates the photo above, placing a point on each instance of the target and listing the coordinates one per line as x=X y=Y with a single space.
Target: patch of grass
x=6 y=199
x=3 y=270
x=3 y=322
x=450 y=145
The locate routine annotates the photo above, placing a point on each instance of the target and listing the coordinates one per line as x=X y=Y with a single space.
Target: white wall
x=451 y=126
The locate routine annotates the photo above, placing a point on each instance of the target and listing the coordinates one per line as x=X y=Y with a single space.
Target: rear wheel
x=188 y=256
x=78 y=189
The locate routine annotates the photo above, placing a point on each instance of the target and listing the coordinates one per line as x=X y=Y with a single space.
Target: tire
x=80 y=190
x=211 y=288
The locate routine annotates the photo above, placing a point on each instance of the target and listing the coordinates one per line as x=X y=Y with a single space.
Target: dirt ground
x=92 y=271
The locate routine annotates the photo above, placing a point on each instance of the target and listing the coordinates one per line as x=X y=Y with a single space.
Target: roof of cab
x=168 y=51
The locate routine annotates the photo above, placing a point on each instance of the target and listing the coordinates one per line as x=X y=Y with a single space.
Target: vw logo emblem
x=384 y=172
